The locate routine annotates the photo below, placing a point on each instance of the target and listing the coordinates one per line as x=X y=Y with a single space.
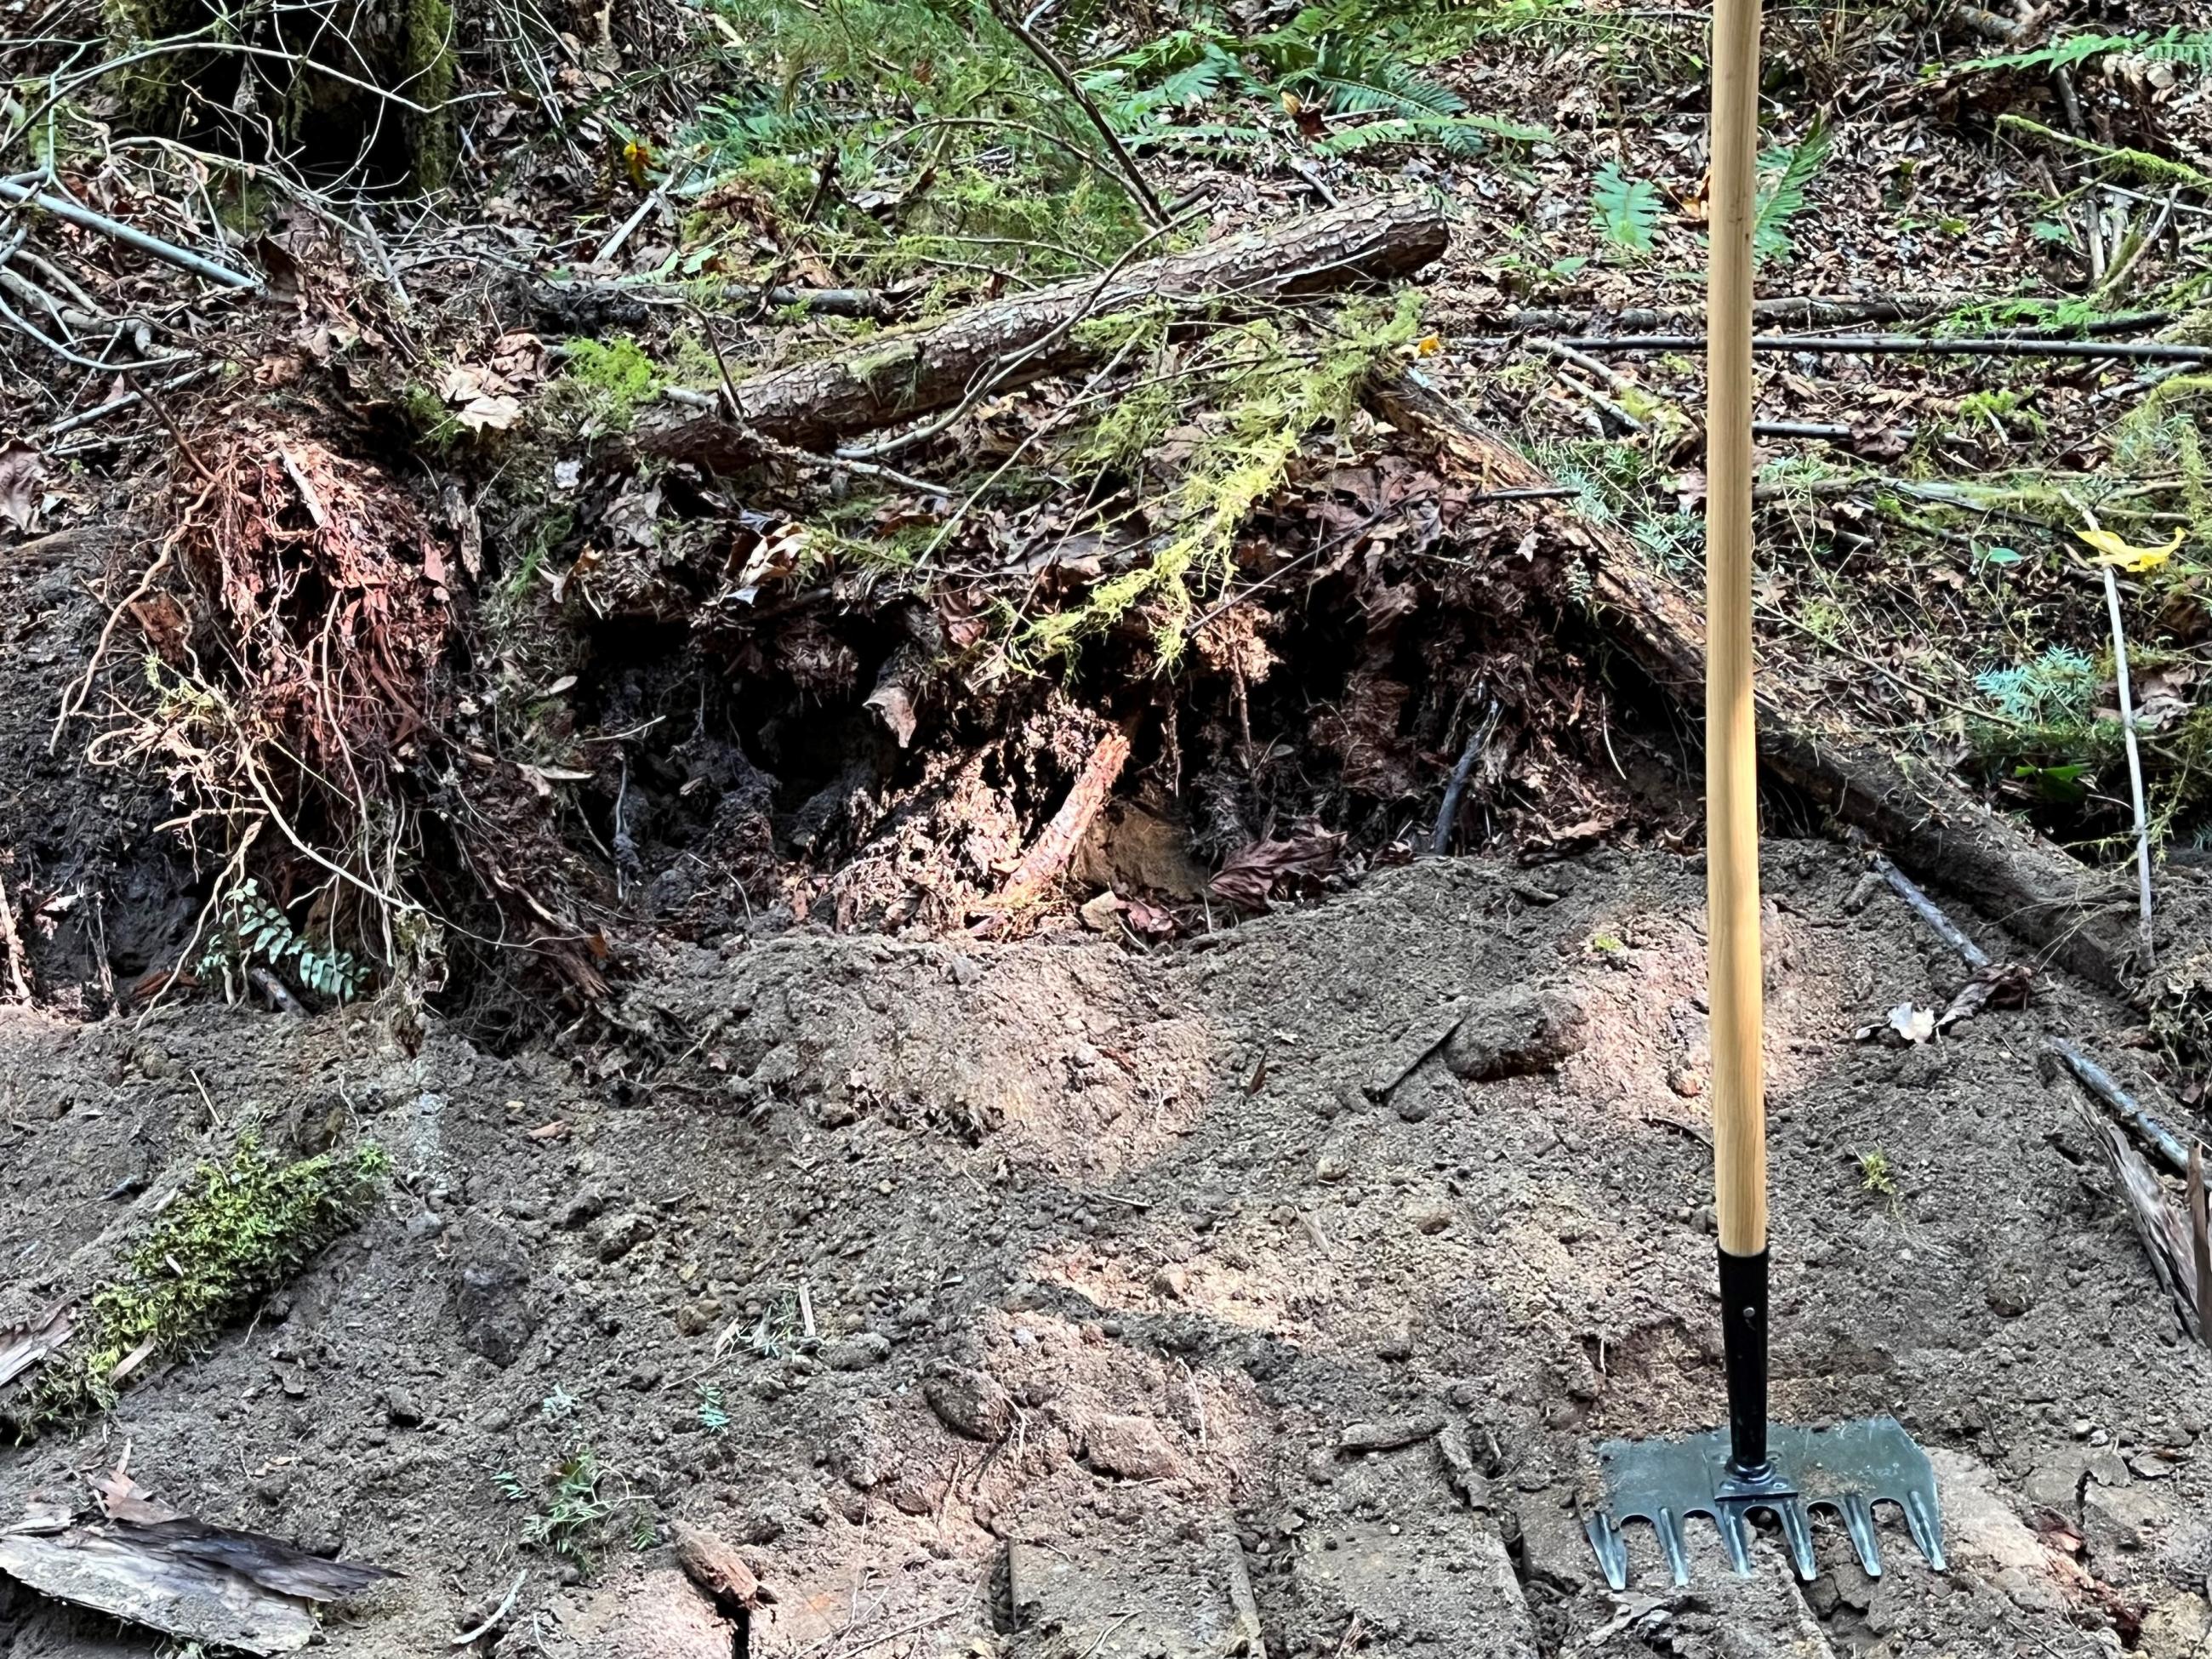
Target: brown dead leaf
x=1249 y=876
x=22 y=475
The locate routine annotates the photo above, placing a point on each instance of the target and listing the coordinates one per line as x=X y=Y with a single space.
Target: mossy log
x=902 y=375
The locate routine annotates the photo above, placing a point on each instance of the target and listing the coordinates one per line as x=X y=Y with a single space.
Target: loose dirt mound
x=1053 y=1299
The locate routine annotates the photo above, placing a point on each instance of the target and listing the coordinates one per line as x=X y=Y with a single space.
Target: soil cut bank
x=1048 y=1299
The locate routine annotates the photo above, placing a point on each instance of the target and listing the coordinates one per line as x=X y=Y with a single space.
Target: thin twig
x=1447 y=814
x=1981 y=346
x=1146 y=202
x=2200 y=1241
x=498 y=1613
x=2135 y=763
x=85 y=219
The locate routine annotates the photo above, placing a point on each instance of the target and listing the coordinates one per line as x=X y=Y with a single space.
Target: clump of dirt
x=1008 y=1296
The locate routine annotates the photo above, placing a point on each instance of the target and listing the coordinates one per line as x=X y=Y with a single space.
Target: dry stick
x=1926 y=910
x=2135 y=763
x=2200 y=1241
x=2114 y=282
x=2158 y=351
x=11 y=943
x=1150 y=203
x=1056 y=844
x=1440 y=839
x=2099 y=1081
x=85 y=219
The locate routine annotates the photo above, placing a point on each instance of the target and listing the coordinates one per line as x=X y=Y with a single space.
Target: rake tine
x=1670 y=1541
x=1732 y=1535
x=1606 y=1544
x=1858 y=1522
x=1922 y=1526
x=1797 y=1531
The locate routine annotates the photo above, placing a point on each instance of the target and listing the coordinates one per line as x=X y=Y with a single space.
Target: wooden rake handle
x=1733 y=967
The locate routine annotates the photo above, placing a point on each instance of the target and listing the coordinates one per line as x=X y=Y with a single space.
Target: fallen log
x=903 y=373
x=2079 y=917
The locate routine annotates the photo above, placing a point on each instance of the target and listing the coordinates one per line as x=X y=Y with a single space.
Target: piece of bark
x=1049 y=854
x=154 y=1565
x=902 y=373
x=2077 y=915
x=715 y=1566
x=190 y=1599
x=24 y=1345
x=2163 y=1226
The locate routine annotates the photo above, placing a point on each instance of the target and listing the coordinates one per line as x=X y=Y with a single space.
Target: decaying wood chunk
x=157 y=1566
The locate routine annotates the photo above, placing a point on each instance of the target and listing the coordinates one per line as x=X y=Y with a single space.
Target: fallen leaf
x=22 y=470
x=1250 y=874
x=489 y=413
x=2115 y=550
x=1914 y=1024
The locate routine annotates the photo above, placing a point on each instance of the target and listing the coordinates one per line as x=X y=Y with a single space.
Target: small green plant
x=712 y=1416
x=236 y=1230
x=1625 y=210
x=1876 y=1174
x=250 y=927
x=2057 y=690
x=574 y=1510
x=2000 y=409
x=1786 y=175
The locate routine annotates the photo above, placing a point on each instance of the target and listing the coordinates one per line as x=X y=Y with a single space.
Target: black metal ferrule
x=1743 y=1344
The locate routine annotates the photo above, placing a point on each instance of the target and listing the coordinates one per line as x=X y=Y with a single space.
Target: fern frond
x=2190 y=48
x=1352 y=78
x=1626 y=210
x=1783 y=199
x=1458 y=135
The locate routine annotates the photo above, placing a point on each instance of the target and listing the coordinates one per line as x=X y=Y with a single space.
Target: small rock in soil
x=1389 y=1434
x=857 y=1352
x=621 y=1234
x=1131 y=1447
x=1516 y=1033
x=586 y=1206
x=969 y=1403
x=491 y=1292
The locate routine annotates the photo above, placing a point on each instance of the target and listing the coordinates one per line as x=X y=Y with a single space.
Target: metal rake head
x=1848 y=1469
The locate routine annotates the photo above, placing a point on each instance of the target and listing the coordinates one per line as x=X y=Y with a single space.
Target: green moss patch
x=235 y=1231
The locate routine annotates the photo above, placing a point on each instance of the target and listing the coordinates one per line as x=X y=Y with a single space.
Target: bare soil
x=1108 y=1254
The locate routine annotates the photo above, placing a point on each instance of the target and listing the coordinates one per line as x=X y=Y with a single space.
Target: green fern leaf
x=1783 y=197
x=1626 y=210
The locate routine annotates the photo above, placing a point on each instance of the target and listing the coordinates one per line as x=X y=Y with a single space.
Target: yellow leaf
x=2114 y=550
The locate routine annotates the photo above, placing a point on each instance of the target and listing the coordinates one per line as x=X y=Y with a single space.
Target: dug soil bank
x=1055 y=1299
